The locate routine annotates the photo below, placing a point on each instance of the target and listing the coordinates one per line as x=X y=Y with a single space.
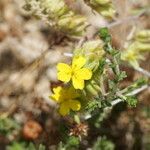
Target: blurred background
x=29 y=52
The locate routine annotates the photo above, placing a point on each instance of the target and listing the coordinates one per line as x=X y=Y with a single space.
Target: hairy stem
x=118 y=100
x=141 y=70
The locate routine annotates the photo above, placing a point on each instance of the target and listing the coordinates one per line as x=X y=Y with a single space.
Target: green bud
x=100 y=2
x=104 y=7
x=74 y=24
x=132 y=101
x=91 y=90
x=96 y=84
x=135 y=50
x=54 y=8
x=143 y=36
x=58 y=14
x=138 y=47
x=93 y=52
x=142 y=47
x=92 y=87
x=131 y=56
x=107 y=11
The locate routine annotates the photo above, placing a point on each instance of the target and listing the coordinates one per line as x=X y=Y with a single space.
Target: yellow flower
x=76 y=72
x=66 y=97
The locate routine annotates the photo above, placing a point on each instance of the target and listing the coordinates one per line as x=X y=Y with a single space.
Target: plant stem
x=68 y=54
x=141 y=70
x=137 y=91
x=118 y=100
x=125 y=20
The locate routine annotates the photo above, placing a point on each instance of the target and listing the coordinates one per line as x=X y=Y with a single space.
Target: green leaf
x=41 y=147
x=111 y=84
x=93 y=105
x=137 y=84
x=16 y=146
x=77 y=119
x=103 y=144
x=101 y=66
x=31 y=146
x=121 y=76
x=61 y=146
x=24 y=146
x=141 y=82
x=73 y=141
x=132 y=101
x=106 y=103
x=8 y=125
x=104 y=34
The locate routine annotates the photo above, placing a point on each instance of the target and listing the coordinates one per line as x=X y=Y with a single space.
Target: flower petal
x=77 y=83
x=63 y=68
x=64 y=108
x=78 y=62
x=65 y=77
x=74 y=105
x=64 y=72
x=72 y=93
x=57 y=94
x=57 y=89
x=84 y=74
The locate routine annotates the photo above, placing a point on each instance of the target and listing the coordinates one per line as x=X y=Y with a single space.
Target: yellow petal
x=72 y=93
x=57 y=94
x=64 y=108
x=64 y=76
x=77 y=83
x=74 y=105
x=63 y=68
x=84 y=74
x=78 y=62
x=57 y=89
x=64 y=72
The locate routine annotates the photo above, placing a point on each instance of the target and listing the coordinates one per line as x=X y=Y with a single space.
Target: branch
x=137 y=91
x=118 y=100
x=127 y=19
x=68 y=54
x=141 y=70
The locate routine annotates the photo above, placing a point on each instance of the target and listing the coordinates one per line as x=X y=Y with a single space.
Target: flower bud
x=74 y=24
x=107 y=11
x=93 y=52
x=143 y=36
x=132 y=55
x=93 y=88
x=135 y=50
x=141 y=47
x=54 y=8
x=58 y=14
x=104 y=7
x=102 y=2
